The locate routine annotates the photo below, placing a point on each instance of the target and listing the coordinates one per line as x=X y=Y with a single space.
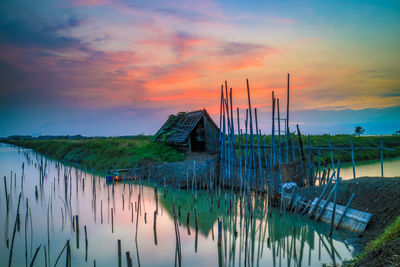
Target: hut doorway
x=198 y=137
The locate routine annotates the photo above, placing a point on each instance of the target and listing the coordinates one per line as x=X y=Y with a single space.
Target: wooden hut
x=190 y=131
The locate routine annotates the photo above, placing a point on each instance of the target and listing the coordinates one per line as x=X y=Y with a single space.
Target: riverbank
x=380 y=197
x=104 y=153
x=125 y=152
x=344 y=141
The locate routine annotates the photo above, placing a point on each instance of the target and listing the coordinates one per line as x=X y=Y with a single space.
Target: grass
x=104 y=153
x=342 y=141
x=126 y=152
x=391 y=232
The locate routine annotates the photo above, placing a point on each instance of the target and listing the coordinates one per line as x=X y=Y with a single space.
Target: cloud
x=29 y=32
x=394 y=94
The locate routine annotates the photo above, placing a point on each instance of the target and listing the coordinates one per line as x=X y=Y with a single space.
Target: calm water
x=65 y=192
x=391 y=168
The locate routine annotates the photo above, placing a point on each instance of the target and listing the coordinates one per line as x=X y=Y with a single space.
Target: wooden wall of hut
x=212 y=136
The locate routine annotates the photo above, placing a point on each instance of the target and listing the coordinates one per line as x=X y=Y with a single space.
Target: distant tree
x=359 y=130
x=397 y=132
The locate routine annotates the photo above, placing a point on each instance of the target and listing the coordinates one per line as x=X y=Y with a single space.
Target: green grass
x=126 y=152
x=342 y=140
x=104 y=153
x=391 y=232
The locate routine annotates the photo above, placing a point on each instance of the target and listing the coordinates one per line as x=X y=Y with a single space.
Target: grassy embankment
x=126 y=152
x=104 y=153
x=343 y=141
x=388 y=240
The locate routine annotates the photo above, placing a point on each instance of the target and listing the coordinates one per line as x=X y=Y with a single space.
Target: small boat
x=112 y=178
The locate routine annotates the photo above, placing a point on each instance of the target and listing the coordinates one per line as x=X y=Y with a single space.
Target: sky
x=108 y=68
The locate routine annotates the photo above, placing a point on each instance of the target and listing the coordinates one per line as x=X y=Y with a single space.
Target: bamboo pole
x=229 y=148
x=287 y=119
x=345 y=210
x=382 y=158
x=352 y=158
x=313 y=209
x=251 y=128
x=279 y=142
x=259 y=153
x=272 y=158
x=330 y=150
x=232 y=130
x=241 y=150
x=334 y=203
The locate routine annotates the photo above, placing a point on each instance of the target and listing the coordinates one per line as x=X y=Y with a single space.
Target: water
x=272 y=240
x=372 y=168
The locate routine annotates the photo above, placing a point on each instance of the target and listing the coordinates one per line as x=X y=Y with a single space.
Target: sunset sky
x=102 y=67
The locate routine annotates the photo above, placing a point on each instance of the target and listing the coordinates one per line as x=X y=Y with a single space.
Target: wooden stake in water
x=15 y=228
x=119 y=252
x=219 y=232
x=6 y=194
x=128 y=259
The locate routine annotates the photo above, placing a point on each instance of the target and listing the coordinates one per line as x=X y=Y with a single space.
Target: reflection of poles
x=155 y=227
x=86 y=244
x=220 y=260
x=137 y=216
x=15 y=228
x=177 y=236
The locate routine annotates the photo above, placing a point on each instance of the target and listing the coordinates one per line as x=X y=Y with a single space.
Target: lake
x=52 y=195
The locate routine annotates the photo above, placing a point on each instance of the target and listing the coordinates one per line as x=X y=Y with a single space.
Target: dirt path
x=379 y=196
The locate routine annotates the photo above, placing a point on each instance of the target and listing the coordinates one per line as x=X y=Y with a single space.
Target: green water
x=271 y=239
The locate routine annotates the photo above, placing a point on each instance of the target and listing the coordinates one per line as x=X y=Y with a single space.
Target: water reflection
x=71 y=215
x=372 y=168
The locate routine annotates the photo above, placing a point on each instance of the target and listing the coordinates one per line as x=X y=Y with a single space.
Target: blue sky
x=101 y=67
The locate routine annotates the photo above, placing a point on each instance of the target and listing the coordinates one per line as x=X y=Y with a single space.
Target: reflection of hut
x=192 y=131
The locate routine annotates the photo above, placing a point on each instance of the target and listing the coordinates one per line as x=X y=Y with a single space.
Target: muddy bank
x=379 y=196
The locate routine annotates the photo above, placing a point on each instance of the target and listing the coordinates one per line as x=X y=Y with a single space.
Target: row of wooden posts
x=245 y=161
x=252 y=167
x=245 y=203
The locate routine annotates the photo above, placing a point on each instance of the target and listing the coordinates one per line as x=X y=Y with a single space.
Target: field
x=104 y=153
x=343 y=141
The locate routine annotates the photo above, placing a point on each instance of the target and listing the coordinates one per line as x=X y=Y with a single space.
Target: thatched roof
x=178 y=127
